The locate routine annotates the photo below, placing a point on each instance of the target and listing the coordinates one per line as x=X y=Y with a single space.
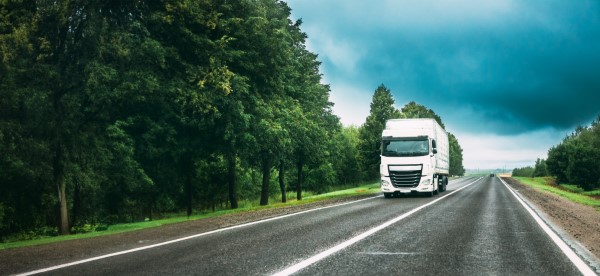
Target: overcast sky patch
x=488 y=68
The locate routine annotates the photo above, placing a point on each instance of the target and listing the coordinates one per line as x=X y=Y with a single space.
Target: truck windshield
x=405 y=147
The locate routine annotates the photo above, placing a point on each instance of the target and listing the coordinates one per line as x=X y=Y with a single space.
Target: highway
x=476 y=227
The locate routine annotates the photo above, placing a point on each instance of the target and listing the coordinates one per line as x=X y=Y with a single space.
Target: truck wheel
x=445 y=181
x=387 y=195
x=443 y=184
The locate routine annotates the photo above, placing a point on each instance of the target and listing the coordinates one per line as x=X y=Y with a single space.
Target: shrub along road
x=476 y=227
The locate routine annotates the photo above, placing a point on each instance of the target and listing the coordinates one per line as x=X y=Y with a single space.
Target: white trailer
x=414 y=157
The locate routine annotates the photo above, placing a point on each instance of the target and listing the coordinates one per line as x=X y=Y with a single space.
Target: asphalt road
x=479 y=230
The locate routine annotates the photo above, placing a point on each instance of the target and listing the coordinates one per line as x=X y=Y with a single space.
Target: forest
x=121 y=111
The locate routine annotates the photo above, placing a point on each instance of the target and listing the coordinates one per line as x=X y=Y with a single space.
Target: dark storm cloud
x=500 y=66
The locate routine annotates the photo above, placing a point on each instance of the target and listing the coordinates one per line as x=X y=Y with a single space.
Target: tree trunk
x=61 y=185
x=231 y=167
x=151 y=207
x=75 y=212
x=266 y=171
x=189 y=175
x=282 y=182
x=188 y=194
x=299 y=166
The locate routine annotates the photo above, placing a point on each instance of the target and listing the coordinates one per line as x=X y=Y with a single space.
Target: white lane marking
x=578 y=262
x=316 y=258
x=186 y=238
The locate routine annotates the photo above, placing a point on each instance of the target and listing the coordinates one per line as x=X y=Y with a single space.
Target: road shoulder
x=577 y=224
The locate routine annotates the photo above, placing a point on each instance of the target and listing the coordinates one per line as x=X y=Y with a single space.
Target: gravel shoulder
x=577 y=224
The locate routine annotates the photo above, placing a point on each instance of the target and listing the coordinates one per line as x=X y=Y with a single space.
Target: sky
x=509 y=78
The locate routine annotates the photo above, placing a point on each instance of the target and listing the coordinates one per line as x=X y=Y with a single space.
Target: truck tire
x=442 y=186
x=445 y=181
x=387 y=195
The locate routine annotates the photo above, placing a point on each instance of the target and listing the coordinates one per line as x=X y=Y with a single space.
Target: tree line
x=575 y=160
x=120 y=111
x=540 y=169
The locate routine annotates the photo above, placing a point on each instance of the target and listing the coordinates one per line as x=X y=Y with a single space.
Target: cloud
x=340 y=53
x=501 y=68
x=350 y=112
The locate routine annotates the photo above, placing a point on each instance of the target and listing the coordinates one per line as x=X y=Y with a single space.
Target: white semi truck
x=414 y=157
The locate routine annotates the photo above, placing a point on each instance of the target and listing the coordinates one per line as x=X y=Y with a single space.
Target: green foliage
x=523 y=172
x=138 y=109
x=345 y=155
x=575 y=159
x=413 y=110
x=456 y=157
x=382 y=109
x=540 y=169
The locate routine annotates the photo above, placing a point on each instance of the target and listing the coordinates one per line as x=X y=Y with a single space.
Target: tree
x=558 y=161
x=575 y=159
x=413 y=110
x=540 y=168
x=382 y=109
x=584 y=168
x=456 y=158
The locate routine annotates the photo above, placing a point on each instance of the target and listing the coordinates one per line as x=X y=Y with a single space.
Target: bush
x=584 y=168
x=321 y=179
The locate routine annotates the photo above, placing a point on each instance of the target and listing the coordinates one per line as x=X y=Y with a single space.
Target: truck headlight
x=426 y=182
x=385 y=183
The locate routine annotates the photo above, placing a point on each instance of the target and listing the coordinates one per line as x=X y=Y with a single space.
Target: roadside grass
x=568 y=191
x=244 y=206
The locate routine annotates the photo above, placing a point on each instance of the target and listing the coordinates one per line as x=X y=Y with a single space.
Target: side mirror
x=434 y=151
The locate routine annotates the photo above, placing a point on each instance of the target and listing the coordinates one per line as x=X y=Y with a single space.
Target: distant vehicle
x=414 y=157
x=492 y=175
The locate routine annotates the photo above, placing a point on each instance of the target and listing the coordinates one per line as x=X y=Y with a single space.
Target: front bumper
x=425 y=185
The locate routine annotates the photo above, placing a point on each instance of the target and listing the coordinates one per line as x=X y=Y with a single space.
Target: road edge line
x=573 y=257
x=42 y=270
x=324 y=254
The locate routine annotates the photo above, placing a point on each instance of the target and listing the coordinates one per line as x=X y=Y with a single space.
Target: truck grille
x=405 y=178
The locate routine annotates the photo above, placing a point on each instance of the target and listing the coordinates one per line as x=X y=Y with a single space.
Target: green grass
x=245 y=206
x=570 y=192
